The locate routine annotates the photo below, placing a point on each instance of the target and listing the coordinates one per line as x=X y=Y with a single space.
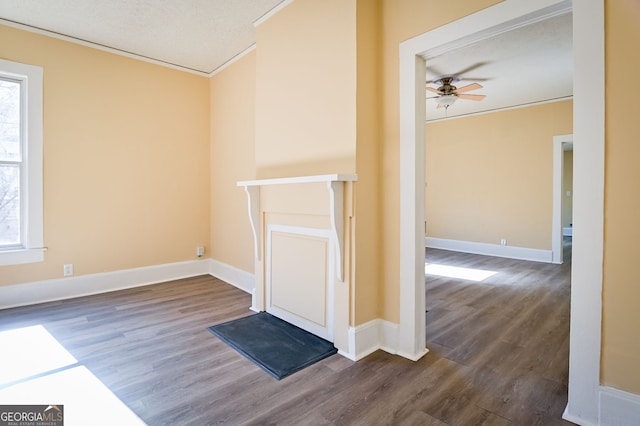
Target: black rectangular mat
x=275 y=345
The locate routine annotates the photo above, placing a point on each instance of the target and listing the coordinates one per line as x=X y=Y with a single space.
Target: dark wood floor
x=498 y=355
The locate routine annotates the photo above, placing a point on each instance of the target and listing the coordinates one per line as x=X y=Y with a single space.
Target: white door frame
x=588 y=203
x=558 y=182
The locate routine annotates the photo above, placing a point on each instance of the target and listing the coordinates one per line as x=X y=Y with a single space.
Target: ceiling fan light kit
x=446 y=100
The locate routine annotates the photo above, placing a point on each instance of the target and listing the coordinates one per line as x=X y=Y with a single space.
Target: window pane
x=9 y=205
x=9 y=120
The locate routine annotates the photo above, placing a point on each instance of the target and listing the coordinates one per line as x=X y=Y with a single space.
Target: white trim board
x=618 y=408
x=233 y=60
x=30 y=78
x=103 y=48
x=511 y=252
x=585 y=340
x=31 y=293
x=491 y=111
x=271 y=13
x=336 y=177
x=35 y=292
x=367 y=338
x=238 y=278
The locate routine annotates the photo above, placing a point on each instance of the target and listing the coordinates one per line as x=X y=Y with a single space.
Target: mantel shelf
x=338 y=177
x=335 y=185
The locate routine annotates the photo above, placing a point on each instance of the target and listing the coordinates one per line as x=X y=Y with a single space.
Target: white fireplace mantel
x=335 y=185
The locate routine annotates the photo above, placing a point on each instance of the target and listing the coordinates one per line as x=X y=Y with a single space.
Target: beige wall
x=126 y=170
x=402 y=20
x=621 y=292
x=232 y=93
x=305 y=92
x=366 y=224
x=490 y=176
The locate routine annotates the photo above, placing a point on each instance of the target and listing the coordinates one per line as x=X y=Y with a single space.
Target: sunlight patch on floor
x=457 y=272
x=30 y=351
x=37 y=369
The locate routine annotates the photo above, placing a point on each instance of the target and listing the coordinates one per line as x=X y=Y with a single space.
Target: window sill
x=16 y=257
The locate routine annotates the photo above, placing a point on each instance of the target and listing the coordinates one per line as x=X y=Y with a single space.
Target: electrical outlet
x=503 y=242
x=199 y=251
x=68 y=269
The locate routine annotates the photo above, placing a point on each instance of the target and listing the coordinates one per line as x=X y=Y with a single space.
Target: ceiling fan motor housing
x=447 y=88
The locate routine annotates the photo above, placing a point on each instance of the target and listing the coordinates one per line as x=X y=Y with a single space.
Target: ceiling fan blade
x=431 y=89
x=433 y=71
x=469 y=87
x=472 y=97
x=474 y=78
x=472 y=68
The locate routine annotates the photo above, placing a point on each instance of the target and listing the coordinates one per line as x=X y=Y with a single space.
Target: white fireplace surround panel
x=338 y=301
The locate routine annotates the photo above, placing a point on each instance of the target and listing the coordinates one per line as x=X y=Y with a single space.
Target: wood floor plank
x=498 y=354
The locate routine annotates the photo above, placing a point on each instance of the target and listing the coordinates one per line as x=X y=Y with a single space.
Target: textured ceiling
x=199 y=35
x=528 y=65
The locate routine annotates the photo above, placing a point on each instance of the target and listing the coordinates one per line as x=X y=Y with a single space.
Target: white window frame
x=32 y=249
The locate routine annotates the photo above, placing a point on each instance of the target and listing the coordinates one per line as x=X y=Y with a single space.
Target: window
x=21 y=239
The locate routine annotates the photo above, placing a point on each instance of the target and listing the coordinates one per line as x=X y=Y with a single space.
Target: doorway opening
x=588 y=30
x=562 y=225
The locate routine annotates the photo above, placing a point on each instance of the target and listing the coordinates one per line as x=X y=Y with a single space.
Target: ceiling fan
x=448 y=93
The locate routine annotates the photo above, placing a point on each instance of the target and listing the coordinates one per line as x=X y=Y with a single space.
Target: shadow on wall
x=321 y=166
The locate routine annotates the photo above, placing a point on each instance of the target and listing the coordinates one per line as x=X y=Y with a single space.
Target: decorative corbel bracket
x=253 y=203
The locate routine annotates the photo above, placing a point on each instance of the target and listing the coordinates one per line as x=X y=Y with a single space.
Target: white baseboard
x=230 y=274
x=618 y=408
x=371 y=336
x=85 y=285
x=512 y=252
x=576 y=419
